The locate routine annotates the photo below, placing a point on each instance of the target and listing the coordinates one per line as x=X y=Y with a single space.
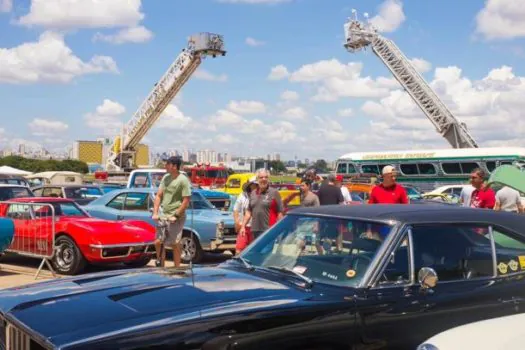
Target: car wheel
x=191 y=248
x=68 y=260
x=141 y=262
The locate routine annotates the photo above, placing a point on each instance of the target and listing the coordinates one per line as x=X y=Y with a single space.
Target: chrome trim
x=494 y=255
x=411 y=257
x=120 y=245
x=16 y=339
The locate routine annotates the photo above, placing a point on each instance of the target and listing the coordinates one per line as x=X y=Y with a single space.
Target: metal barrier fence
x=34 y=230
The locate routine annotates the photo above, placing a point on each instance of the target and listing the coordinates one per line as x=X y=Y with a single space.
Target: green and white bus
x=431 y=168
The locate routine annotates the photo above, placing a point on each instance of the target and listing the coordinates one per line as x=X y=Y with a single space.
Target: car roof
x=418 y=214
x=12 y=185
x=68 y=185
x=42 y=200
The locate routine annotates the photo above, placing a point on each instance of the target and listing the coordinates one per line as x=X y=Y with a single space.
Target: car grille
x=15 y=339
x=229 y=232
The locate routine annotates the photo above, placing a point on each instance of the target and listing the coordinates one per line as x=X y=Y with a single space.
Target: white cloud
x=330 y=130
x=421 y=65
x=205 y=75
x=254 y=42
x=6 y=5
x=48 y=60
x=247 y=107
x=278 y=72
x=172 y=118
x=44 y=127
x=70 y=14
x=390 y=16
x=335 y=80
x=294 y=113
x=226 y=139
x=289 y=95
x=137 y=34
x=501 y=19
x=107 y=117
x=254 y=2
x=225 y=117
x=347 y=112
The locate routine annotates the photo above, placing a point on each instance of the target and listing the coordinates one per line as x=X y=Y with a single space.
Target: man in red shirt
x=479 y=195
x=388 y=192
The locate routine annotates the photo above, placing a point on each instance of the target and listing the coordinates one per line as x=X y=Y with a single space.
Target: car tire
x=191 y=248
x=68 y=259
x=141 y=262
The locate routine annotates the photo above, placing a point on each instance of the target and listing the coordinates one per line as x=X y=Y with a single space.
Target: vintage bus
x=428 y=169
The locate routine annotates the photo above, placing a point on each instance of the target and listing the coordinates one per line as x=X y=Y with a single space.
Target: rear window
x=82 y=192
x=7 y=193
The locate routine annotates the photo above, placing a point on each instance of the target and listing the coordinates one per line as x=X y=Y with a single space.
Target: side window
x=19 y=211
x=342 y=168
x=510 y=252
x=370 y=168
x=234 y=183
x=136 y=201
x=398 y=269
x=52 y=192
x=455 y=251
x=38 y=192
x=140 y=180
x=117 y=202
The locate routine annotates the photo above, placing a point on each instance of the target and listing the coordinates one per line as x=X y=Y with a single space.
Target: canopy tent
x=4 y=169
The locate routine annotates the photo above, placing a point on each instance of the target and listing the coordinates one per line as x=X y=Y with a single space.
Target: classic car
x=8 y=192
x=329 y=277
x=13 y=180
x=206 y=228
x=500 y=333
x=79 y=239
x=7 y=232
x=81 y=194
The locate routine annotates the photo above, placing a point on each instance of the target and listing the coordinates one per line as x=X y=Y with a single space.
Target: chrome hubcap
x=64 y=254
x=189 y=248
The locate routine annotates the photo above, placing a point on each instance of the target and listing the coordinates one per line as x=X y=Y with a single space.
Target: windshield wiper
x=245 y=262
x=309 y=282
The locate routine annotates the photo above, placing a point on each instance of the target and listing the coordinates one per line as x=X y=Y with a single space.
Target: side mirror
x=427 y=278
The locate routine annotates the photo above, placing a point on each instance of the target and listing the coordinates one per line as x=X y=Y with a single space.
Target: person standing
x=329 y=193
x=173 y=197
x=239 y=211
x=478 y=195
x=308 y=198
x=266 y=206
x=389 y=191
x=508 y=199
x=344 y=190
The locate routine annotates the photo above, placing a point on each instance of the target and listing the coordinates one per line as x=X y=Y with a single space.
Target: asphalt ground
x=16 y=270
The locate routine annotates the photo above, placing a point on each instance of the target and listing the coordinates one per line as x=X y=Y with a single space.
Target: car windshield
x=413 y=193
x=198 y=201
x=83 y=192
x=60 y=209
x=110 y=188
x=328 y=250
x=7 y=193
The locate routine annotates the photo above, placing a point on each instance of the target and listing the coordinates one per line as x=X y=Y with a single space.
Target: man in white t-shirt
x=239 y=210
x=508 y=199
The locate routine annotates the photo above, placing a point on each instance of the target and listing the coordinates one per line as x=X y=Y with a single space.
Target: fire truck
x=207 y=176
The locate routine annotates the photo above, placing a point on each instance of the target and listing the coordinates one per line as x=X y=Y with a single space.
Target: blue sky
x=55 y=90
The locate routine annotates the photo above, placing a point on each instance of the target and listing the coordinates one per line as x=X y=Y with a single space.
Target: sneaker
x=157 y=263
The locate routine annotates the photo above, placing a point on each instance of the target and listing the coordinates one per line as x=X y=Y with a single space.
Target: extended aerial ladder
x=123 y=149
x=358 y=36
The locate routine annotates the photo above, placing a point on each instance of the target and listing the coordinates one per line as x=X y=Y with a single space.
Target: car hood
x=116 y=300
x=213 y=194
x=109 y=232
x=212 y=215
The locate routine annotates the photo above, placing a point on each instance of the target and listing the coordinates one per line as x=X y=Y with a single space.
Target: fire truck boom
x=199 y=46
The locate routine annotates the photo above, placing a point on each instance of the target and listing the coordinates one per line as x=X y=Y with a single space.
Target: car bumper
x=121 y=251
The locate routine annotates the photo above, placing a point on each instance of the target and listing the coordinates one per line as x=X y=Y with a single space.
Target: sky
x=79 y=69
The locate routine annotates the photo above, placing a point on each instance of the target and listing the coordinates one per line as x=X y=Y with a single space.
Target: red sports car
x=78 y=238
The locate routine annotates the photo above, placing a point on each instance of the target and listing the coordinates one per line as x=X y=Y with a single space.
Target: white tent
x=4 y=169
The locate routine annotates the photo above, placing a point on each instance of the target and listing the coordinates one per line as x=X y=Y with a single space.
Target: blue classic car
x=206 y=228
x=7 y=232
x=329 y=277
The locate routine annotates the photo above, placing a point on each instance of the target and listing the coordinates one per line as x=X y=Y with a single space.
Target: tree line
x=39 y=165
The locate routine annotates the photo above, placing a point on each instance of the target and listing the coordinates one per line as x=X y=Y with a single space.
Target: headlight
x=220 y=230
x=427 y=346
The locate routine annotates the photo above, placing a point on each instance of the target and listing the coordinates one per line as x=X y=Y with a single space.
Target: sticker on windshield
x=502 y=267
x=350 y=273
x=299 y=269
x=329 y=275
x=513 y=264
x=521 y=258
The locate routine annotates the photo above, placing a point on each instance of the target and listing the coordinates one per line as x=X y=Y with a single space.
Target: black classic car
x=331 y=277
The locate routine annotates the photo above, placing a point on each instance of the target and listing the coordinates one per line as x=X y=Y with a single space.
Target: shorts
x=244 y=241
x=174 y=232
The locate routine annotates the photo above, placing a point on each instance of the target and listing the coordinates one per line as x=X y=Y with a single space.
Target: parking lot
x=16 y=270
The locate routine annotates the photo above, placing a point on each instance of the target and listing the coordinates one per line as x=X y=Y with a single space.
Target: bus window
x=342 y=168
x=351 y=169
x=426 y=169
x=370 y=168
x=468 y=167
x=409 y=169
x=490 y=166
x=451 y=168
x=505 y=162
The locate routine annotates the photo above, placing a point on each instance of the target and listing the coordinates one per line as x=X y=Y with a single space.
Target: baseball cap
x=174 y=160
x=388 y=169
x=339 y=178
x=252 y=180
